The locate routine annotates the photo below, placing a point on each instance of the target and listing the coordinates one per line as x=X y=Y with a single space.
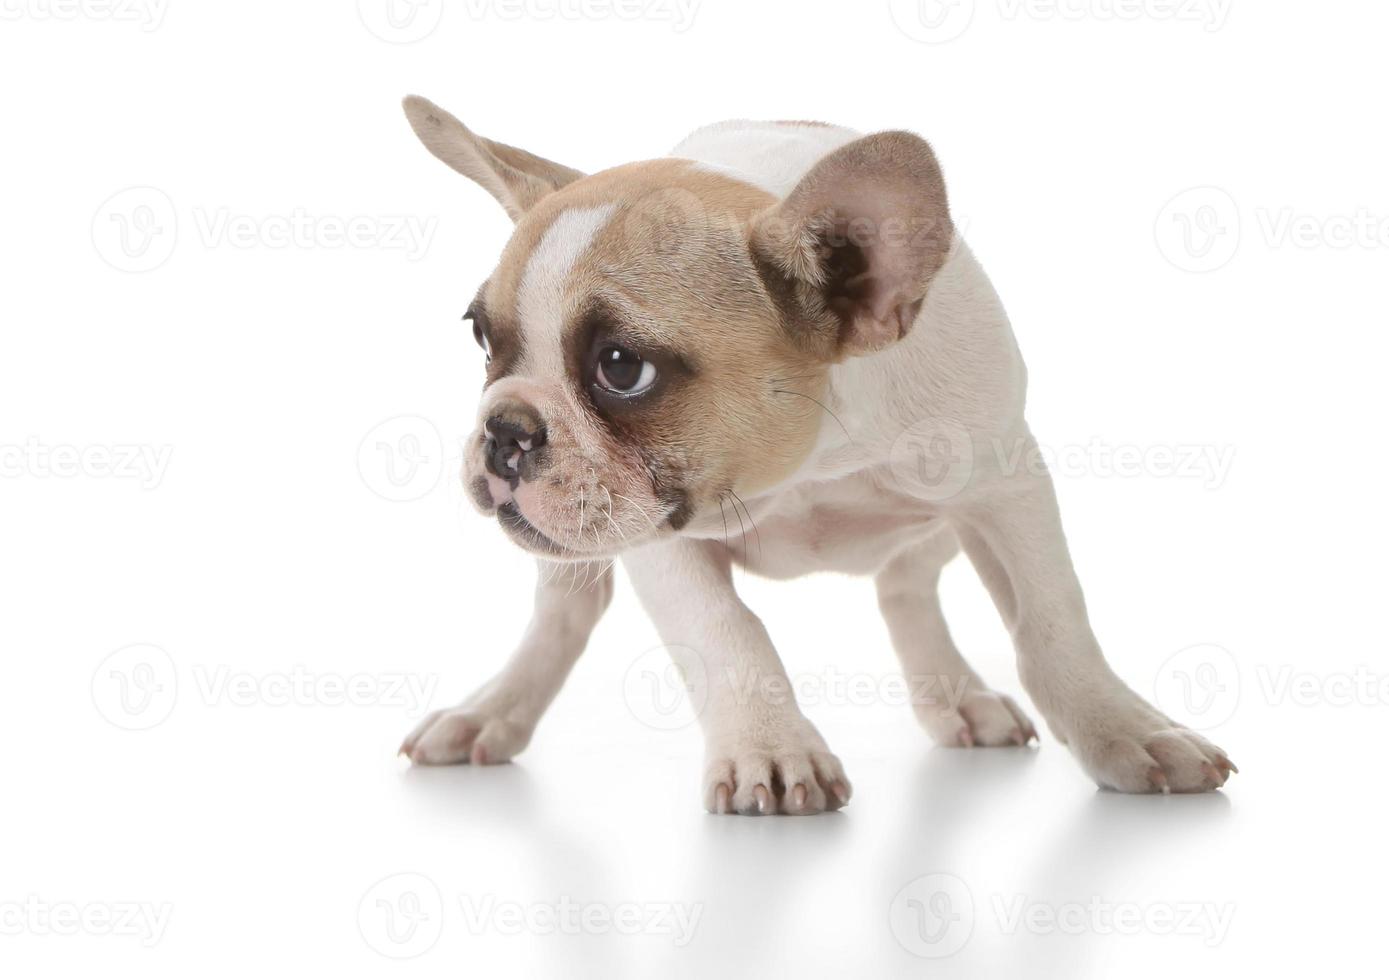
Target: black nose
x=510 y=443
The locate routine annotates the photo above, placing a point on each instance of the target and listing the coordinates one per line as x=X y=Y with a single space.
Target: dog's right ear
x=854 y=247
x=517 y=179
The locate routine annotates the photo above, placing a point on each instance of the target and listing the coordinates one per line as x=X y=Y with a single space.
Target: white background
x=1243 y=322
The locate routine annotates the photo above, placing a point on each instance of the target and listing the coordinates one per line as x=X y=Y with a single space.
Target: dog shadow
x=502 y=809
x=1107 y=841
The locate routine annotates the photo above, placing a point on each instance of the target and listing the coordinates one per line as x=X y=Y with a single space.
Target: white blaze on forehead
x=540 y=299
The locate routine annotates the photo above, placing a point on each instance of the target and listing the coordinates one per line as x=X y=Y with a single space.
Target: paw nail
x=966 y=738
x=479 y=756
x=798 y=796
x=841 y=792
x=763 y=798
x=721 y=799
x=1159 y=780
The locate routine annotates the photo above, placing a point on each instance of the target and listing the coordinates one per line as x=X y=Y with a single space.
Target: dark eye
x=623 y=371
x=480 y=336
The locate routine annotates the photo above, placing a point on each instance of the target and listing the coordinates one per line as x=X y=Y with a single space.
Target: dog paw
x=794 y=776
x=982 y=718
x=464 y=734
x=1137 y=750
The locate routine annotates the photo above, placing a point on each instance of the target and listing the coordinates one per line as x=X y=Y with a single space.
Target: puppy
x=770 y=348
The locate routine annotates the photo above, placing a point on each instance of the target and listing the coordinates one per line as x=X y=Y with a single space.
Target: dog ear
x=517 y=179
x=854 y=246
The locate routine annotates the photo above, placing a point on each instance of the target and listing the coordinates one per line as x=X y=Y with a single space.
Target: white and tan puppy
x=770 y=348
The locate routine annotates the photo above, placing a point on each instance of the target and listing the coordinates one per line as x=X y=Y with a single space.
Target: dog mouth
x=531 y=538
x=526 y=534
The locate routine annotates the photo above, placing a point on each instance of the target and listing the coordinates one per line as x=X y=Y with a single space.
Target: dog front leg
x=1010 y=527
x=497 y=721
x=762 y=755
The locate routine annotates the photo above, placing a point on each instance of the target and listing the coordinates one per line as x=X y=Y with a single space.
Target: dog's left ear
x=856 y=244
x=517 y=179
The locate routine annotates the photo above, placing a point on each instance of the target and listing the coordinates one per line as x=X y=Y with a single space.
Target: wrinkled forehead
x=631 y=241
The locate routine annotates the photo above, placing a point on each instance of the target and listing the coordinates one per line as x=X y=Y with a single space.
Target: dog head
x=658 y=336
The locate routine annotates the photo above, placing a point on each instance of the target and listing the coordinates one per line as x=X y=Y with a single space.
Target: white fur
x=772 y=156
x=540 y=299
